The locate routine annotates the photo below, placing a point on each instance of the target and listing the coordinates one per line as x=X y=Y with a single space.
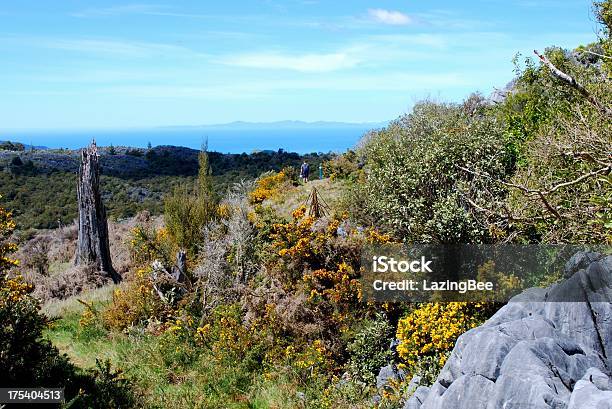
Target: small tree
x=187 y=211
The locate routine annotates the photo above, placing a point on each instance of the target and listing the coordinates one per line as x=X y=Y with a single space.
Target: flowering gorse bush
x=135 y=303
x=148 y=244
x=427 y=334
x=267 y=186
x=341 y=287
x=7 y=226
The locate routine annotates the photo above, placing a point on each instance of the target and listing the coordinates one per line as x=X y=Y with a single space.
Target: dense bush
x=268 y=185
x=427 y=334
x=416 y=186
x=341 y=166
x=135 y=304
x=561 y=190
x=187 y=211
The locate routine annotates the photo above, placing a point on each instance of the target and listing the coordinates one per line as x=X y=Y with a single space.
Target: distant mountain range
x=283 y=125
x=235 y=137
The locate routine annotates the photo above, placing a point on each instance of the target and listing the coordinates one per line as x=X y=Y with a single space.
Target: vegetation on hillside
x=126 y=190
x=268 y=311
x=29 y=360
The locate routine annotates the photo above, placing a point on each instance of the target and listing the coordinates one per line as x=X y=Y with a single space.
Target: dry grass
x=58 y=308
x=47 y=259
x=287 y=201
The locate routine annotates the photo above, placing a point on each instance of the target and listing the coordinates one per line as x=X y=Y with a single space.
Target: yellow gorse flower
x=432 y=329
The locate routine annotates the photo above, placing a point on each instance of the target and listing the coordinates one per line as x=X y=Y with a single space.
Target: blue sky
x=97 y=64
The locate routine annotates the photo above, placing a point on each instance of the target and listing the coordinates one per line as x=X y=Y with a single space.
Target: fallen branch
x=569 y=80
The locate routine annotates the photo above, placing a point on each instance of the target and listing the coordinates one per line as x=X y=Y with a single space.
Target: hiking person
x=304 y=172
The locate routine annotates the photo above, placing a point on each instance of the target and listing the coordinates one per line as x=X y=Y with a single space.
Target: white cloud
x=302 y=63
x=390 y=17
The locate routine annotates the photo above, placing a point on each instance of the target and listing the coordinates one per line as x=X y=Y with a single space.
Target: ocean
x=220 y=139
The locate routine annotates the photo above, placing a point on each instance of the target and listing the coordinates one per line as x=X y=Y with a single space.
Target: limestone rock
x=547 y=348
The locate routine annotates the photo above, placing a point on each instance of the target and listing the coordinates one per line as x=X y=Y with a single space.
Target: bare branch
x=535 y=192
x=569 y=80
x=507 y=217
x=586 y=156
x=604 y=170
x=541 y=194
x=597 y=54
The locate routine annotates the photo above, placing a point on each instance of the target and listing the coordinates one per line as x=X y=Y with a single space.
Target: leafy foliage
x=415 y=185
x=187 y=211
x=370 y=349
x=267 y=185
x=560 y=186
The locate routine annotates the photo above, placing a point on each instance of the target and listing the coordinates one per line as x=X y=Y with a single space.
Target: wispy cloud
x=125 y=48
x=302 y=63
x=155 y=10
x=249 y=89
x=391 y=17
x=104 y=46
x=120 y=10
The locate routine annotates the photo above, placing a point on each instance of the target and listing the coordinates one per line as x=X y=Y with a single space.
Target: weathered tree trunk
x=92 y=246
x=180 y=269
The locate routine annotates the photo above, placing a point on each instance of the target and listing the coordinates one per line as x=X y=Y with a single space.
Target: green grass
x=83 y=347
x=70 y=306
x=167 y=371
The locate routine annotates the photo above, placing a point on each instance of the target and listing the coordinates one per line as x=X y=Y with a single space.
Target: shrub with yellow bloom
x=340 y=287
x=268 y=186
x=7 y=226
x=134 y=303
x=150 y=244
x=428 y=333
x=13 y=290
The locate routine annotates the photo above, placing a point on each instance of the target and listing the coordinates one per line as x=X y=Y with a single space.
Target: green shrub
x=560 y=191
x=416 y=186
x=370 y=349
x=341 y=166
x=187 y=211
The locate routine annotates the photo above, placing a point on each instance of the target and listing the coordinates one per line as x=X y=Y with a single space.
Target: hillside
x=458 y=258
x=133 y=179
x=286 y=201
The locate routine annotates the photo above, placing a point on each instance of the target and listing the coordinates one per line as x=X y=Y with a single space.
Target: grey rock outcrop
x=593 y=391
x=540 y=351
x=388 y=374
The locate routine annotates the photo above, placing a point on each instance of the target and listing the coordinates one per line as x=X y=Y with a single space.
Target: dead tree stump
x=92 y=246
